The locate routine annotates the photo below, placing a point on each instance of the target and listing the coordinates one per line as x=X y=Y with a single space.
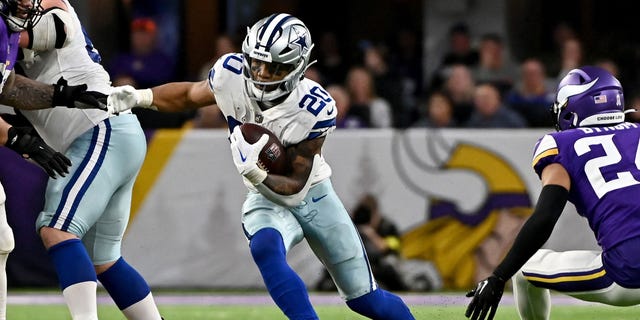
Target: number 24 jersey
x=604 y=166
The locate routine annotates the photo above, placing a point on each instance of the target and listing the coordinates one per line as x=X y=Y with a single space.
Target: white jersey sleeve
x=59 y=127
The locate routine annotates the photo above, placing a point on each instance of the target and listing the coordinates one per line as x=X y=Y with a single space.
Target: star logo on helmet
x=302 y=42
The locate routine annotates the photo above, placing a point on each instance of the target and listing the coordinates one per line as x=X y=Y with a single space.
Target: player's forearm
x=535 y=232
x=283 y=185
x=282 y=189
x=176 y=97
x=23 y=93
x=295 y=181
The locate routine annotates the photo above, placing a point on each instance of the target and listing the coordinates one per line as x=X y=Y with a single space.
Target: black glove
x=486 y=297
x=77 y=96
x=30 y=146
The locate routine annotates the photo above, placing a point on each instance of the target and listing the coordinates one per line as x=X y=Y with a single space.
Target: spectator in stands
x=460 y=86
x=144 y=63
x=211 y=116
x=406 y=60
x=381 y=239
x=609 y=65
x=533 y=94
x=224 y=44
x=332 y=64
x=460 y=51
x=571 y=57
x=490 y=112
x=388 y=84
x=495 y=66
x=145 y=66
x=437 y=112
x=344 y=119
x=560 y=33
x=374 y=111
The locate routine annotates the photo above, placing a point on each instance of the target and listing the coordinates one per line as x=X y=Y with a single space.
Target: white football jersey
x=307 y=113
x=60 y=126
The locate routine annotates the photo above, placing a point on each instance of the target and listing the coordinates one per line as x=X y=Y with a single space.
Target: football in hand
x=273 y=157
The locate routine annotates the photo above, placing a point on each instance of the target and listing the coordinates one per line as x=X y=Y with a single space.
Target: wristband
x=255 y=175
x=146 y=99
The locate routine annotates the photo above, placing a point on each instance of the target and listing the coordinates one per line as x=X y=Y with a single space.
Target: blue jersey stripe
x=325 y=124
x=314 y=135
x=275 y=31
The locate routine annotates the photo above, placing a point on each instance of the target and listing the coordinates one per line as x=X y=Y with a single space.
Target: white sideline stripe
x=260 y=299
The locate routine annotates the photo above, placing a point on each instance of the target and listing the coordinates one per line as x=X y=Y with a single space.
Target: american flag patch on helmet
x=600 y=99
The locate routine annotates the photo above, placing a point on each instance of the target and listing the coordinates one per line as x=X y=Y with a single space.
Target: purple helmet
x=588 y=96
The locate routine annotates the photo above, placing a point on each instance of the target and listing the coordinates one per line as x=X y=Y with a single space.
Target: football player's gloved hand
x=126 y=97
x=77 y=96
x=245 y=156
x=30 y=146
x=486 y=297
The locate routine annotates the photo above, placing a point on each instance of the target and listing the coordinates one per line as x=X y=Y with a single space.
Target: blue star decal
x=302 y=42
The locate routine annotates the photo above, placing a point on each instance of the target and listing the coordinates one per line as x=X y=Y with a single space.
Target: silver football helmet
x=283 y=41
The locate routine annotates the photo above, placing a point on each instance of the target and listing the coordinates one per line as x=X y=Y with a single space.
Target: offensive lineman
x=86 y=213
x=266 y=85
x=23 y=93
x=593 y=162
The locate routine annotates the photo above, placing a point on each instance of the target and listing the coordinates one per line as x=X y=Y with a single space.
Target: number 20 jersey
x=604 y=166
x=307 y=113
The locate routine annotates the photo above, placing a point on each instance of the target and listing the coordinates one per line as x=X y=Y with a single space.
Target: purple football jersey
x=8 y=51
x=604 y=166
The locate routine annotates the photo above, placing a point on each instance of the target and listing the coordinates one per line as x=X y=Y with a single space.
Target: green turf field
x=186 y=312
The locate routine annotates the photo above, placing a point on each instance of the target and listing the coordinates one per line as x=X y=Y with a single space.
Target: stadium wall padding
x=185 y=230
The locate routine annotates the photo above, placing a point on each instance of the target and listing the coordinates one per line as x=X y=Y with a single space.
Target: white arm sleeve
x=293 y=199
x=53 y=31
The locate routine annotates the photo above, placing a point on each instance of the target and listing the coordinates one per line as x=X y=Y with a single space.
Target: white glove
x=245 y=156
x=126 y=97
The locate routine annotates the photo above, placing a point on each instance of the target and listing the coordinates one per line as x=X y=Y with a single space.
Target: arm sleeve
x=535 y=232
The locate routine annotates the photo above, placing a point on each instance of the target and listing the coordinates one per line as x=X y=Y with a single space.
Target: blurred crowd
x=477 y=84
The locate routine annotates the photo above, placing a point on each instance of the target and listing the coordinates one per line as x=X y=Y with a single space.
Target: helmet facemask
x=21 y=18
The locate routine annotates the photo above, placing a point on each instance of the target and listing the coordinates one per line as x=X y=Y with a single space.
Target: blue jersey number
x=315 y=100
x=228 y=64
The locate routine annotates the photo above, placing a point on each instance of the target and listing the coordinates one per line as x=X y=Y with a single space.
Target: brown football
x=273 y=157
